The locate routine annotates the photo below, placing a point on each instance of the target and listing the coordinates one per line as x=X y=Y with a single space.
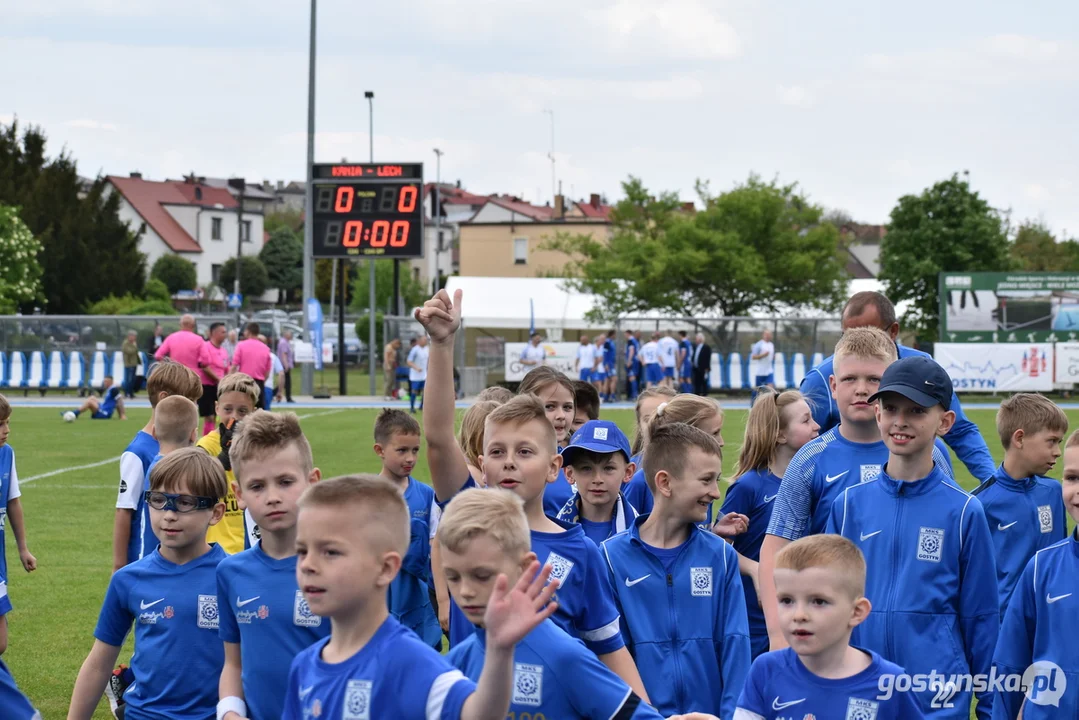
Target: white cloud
x=794 y=96
x=684 y=28
x=87 y=124
x=1022 y=46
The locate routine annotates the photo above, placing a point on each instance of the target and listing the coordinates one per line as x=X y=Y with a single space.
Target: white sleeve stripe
x=13 y=491
x=743 y=714
x=440 y=688
x=621 y=704
x=606 y=632
x=962 y=519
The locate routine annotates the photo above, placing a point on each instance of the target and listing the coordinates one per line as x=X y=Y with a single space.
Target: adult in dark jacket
x=702 y=364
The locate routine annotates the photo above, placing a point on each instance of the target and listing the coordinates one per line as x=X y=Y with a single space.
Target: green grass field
x=69 y=519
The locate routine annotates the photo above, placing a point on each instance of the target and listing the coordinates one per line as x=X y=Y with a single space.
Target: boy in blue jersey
x=820 y=583
x=1024 y=509
x=586 y=360
x=397 y=444
x=650 y=359
x=678 y=587
x=10 y=511
x=520 y=456
x=931 y=573
x=265 y=621
x=1039 y=629
x=685 y=362
x=352 y=533
x=481 y=536
x=16 y=705
x=846 y=455
x=610 y=361
x=132 y=536
x=597 y=463
x=633 y=366
x=111 y=400
x=171 y=597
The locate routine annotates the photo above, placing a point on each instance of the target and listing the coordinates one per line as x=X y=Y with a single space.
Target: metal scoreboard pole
x=370 y=95
x=308 y=372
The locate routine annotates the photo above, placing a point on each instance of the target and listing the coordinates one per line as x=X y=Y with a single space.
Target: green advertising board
x=1019 y=307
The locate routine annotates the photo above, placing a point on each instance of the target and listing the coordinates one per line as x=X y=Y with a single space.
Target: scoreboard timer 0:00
x=365 y=219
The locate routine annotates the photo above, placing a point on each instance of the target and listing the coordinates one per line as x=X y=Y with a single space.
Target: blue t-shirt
x=135 y=465
x=555 y=676
x=586 y=606
x=635 y=361
x=609 y=353
x=410 y=598
x=752 y=495
x=557 y=494
x=780 y=686
x=178 y=654
x=666 y=556
x=687 y=363
x=15 y=705
x=622 y=516
x=108 y=403
x=9 y=490
x=264 y=611
x=395 y=675
x=595 y=531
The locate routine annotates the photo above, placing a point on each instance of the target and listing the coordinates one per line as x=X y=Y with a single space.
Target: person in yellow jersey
x=237 y=395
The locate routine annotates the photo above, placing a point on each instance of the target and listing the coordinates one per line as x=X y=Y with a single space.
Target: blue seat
x=781 y=371
x=76 y=371
x=99 y=368
x=735 y=372
x=37 y=375
x=798 y=370
x=16 y=371
x=57 y=372
x=3 y=369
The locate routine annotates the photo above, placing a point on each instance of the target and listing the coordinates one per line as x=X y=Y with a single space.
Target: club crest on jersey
x=859 y=709
x=357 y=700
x=599 y=433
x=560 y=567
x=1045 y=518
x=930 y=544
x=301 y=613
x=527 y=684
x=123 y=486
x=208 y=617
x=870 y=472
x=700 y=581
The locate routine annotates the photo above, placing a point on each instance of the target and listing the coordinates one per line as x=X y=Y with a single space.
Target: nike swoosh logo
x=1005 y=527
x=241 y=603
x=1051 y=599
x=631 y=583
x=143 y=605
x=832 y=478
x=866 y=536
x=769 y=499
x=776 y=705
x=304 y=692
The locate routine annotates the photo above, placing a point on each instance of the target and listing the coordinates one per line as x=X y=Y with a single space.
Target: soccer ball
x=69 y=416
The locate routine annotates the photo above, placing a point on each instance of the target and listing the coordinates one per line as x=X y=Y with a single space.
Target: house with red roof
x=191 y=218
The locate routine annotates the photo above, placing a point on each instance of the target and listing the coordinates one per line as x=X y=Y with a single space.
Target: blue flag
x=532 y=318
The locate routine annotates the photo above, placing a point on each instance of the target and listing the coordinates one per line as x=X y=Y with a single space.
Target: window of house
x=520 y=251
x=247 y=230
x=215 y=228
x=215 y=274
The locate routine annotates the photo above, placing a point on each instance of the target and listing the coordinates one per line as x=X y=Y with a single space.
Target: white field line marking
x=324 y=412
x=61 y=471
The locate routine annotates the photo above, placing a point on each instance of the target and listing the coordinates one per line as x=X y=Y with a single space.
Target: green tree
x=324 y=280
x=176 y=272
x=759 y=246
x=87 y=251
x=283 y=257
x=284 y=218
x=1035 y=249
x=253 y=278
x=948 y=227
x=20 y=270
x=412 y=291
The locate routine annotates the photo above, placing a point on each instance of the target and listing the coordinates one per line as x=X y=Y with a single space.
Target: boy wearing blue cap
x=597 y=462
x=931 y=573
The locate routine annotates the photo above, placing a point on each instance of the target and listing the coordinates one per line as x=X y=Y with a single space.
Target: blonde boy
x=820 y=586
x=1024 y=509
x=265 y=621
x=352 y=534
x=237 y=397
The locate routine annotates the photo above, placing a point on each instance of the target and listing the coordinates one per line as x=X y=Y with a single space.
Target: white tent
x=499 y=302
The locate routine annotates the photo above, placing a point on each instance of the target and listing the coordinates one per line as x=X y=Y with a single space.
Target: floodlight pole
x=308 y=374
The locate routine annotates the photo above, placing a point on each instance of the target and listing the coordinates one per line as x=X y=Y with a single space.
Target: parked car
x=355 y=349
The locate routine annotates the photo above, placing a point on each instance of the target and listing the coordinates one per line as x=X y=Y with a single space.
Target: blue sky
x=859 y=102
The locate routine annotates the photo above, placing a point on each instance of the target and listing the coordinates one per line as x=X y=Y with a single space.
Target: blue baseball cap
x=919 y=379
x=598 y=436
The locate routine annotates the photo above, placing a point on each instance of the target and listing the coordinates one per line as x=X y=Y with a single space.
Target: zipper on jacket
x=894 y=571
x=680 y=680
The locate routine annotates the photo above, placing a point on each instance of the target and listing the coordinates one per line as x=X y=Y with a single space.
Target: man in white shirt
x=417 y=372
x=586 y=360
x=668 y=358
x=533 y=355
x=762 y=361
x=653 y=371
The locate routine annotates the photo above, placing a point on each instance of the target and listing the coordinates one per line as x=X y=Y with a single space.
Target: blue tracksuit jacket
x=964 y=438
x=931 y=576
x=1040 y=626
x=686 y=627
x=1025 y=515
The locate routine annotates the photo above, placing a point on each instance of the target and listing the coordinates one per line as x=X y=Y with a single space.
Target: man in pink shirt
x=253 y=357
x=213 y=365
x=184 y=346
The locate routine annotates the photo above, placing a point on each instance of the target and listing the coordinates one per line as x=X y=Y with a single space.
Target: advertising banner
x=1067 y=363
x=560 y=356
x=994 y=307
x=988 y=367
